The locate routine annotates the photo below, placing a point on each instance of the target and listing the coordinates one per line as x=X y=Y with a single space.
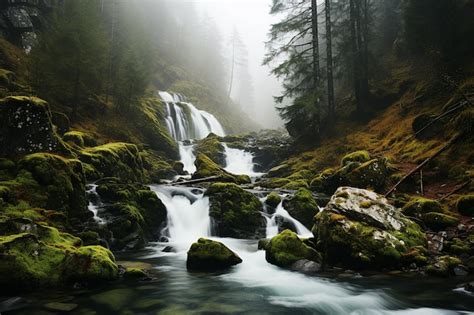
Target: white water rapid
x=239 y=162
x=94 y=206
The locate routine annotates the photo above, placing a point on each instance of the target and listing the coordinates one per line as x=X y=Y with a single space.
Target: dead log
x=458 y=189
x=424 y=163
x=197 y=181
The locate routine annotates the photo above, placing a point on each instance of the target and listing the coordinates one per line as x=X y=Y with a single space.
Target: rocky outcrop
x=360 y=229
x=235 y=212
x=27 y=128
x=205 y=167
x=208 y=255
x=212 y=148
x=286 y=249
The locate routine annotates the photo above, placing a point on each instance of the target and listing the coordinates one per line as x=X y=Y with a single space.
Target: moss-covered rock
x=302 y=207
x=443 y=266
x=418 y=206
x=296 y=184
x=208 y=255
x=272 y=183
x=439 y=221
x=157 y=167
x=319 y=182
x=458 y=247
x=121 y=160
x=134 y=213
x=358 y=156
x=287 y=248
x=80 y=138
x=43 y=256
x=212 y=148
x=236 y=212
x=465 y=205
x=61 y=121
x=273 y=199
x=372 y=174
x=26 y=127
x=360 y=229
x=207 y=168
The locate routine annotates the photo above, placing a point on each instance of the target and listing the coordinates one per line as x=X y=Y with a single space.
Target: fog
x=251 y=19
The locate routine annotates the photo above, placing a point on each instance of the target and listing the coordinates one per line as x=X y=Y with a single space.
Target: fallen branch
x=455 y=190
x=423 y=164
x=197 y=181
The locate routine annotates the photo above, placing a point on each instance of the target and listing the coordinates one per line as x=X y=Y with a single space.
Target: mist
x=251 y=20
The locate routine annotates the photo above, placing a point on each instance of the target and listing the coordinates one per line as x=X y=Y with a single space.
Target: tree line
x=316 y=48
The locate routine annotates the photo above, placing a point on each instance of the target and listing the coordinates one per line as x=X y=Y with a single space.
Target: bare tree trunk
x=316 y=69
x=355 y=48
x=329 y=66
x=232 y=67
x=365 y=53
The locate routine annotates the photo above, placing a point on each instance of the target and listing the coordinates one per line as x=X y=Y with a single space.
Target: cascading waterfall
x=239 y=162
x=186 y=122
x=272 y=228
x=94 y=206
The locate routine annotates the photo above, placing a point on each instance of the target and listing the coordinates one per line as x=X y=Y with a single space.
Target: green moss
x=135 y=273
x=79 y=138
x=273 y=182
x=287 y=248
x=443 y=266
x=459 y=247
x=439 y=221
x=212 y=148
x=465 y=205
x=302 y=206
x=206 y=254
x=419 y=205
x=318 y=183
x=273 y=199
x=236 y=212
x=296 y=184
x=372 y=174
x=207 y=168
x=358 y=156
x=120 y=160
x=157 y=167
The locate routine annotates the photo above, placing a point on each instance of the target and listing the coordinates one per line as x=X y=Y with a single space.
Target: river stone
x=60 y=307
x=26 y=127
x=208 y=255
x=306 y=266
x=360 y=229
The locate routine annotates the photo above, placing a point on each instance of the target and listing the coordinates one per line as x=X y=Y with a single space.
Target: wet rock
x=27 y=127
x=273 y=199
x=439 y=221
x=207 y=168
x=360 y=229
x=306 y=266
x=212 y=148
x=443 y=266
x=302 y=207
x=208 y=255
x=460 y=271
x=60 y=307
x=287 y=248
x=235 y=211
x=437 y=241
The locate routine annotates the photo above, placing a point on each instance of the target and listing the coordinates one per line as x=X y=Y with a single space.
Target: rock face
x=26 y=127
x=208 y=255
x=360 y=229
x=236 y=212
x=212 y=148
x=41 y=256
x=302 y=207
x=286 y=249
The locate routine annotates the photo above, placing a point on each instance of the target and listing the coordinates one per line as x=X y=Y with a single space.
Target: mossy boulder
x=302 y=207
x=358 y=156
x=157 y=167
x=80 y=139
x=61 y=121
x=207 y=168
x=134 y=213
x=121 y=160
x=371 y=174
x=465 y=205
x=45 y=257
x=360 y=229
x=443 y=266
x=212 y=148
x=273 y=199
x=26 y=127
x=235 y=212
x=272 y=183
x=208 y=255
x=287 y=248
x=319 y=182
x=52 y=182
x=439 y=221
x=418 y=206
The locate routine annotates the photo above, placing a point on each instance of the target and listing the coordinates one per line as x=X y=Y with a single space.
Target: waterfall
x=94 y=205
x=186 y=122
x=239 y=162
x=280 y=212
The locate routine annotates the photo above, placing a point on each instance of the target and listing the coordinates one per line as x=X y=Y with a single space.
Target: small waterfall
x=95 y=205
x=186 y=122
x=239 y=162
x=188 y=215
x=272 y=225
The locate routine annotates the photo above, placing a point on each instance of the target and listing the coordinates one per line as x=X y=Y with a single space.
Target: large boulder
x=134 y=213
x=212 y=148
x=302 y=207
x=26 y=127
x=235 y=211
x=287 y=248
x=205 y=167
x=360 y=229
x=208 y=255
x=121 y=160
x=43 y=257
